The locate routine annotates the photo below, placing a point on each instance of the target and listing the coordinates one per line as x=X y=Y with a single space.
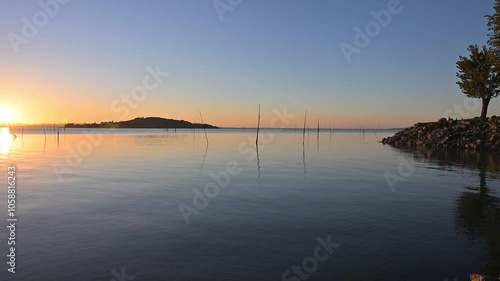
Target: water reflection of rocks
x=477 y=209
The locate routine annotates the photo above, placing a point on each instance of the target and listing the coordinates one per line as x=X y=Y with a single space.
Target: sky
x=91 y=61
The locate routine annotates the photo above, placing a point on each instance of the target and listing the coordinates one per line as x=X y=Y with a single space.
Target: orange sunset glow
x=249 y=140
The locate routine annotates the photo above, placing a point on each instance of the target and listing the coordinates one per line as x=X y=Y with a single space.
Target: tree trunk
x=484 y=110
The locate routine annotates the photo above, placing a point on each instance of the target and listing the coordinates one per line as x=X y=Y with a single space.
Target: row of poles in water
x=361 y=130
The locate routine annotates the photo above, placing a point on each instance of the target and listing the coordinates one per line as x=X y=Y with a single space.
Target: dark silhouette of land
x=148 y=122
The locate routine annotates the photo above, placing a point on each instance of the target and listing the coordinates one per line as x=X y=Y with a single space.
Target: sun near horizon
x=6 y=115
x=92 y=73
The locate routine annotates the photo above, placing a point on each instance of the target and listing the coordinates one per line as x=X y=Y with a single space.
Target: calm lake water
x=115 y=205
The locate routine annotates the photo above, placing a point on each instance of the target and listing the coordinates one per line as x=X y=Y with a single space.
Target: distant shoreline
x=143 y=123
x=164 y=123
x=61 y=126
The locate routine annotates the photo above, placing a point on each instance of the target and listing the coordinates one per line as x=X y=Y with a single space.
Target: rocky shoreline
x=472 y=134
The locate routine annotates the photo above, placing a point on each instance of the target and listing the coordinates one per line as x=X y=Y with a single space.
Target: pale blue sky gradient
x=276 y=53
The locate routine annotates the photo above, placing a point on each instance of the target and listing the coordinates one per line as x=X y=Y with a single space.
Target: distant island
x=148 y=122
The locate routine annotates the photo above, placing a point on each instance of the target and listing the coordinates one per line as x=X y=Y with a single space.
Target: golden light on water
x=5 y=141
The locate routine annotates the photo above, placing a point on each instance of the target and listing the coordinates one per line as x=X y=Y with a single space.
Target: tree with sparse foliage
x=494 y=28
x=479 y=75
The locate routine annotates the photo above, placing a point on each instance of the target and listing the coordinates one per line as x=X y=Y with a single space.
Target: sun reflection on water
x=5 y=142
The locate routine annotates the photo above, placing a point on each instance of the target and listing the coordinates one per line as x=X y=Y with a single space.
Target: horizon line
x=46 y=125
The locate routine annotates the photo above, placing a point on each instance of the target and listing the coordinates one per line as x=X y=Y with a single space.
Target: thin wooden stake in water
x=11 y=131
x=203 y=124
x=304 y=131
x=318 y=126
x=258 y=127
x=44 y=132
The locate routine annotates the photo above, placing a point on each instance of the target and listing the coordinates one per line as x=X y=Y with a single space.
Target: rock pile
x=473 y=134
